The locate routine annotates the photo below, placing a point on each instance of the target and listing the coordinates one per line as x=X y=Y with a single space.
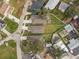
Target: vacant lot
x=8 y=52
x=11 y=25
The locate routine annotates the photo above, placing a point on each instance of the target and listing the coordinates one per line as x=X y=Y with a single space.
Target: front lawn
x=8 y=52
x=11 y=25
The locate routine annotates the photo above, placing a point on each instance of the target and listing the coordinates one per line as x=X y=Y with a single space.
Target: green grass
x=55 y=26
x=66 y=1
x=11 y=25
x=58 y=13
x=8 y=52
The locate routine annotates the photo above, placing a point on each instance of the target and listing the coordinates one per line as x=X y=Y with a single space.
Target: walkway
x=5 y=31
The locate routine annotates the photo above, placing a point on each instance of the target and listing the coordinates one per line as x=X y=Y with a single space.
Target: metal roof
x=51 y=4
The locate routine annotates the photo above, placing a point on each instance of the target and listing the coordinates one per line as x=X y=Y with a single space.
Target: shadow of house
x=2 y=24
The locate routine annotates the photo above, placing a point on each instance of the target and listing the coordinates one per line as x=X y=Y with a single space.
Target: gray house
x=74 y=46
x=36 y=19
x=36 y=29
x=63 y=6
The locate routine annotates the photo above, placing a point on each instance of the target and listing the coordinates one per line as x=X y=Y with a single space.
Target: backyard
x=58 y=13
x=52 y=28
x=11 y=25
x=8 y=52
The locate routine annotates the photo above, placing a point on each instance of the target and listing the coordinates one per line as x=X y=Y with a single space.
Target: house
x=67 y=40
x=51 y=4
x=74 y=46
x=3 y=8
x=36 y=19
x=36 y=4
x=6 y=9
x=75 y=21
x=63 y=6
x=69 y=28
x=71 y=31
x=36 y=29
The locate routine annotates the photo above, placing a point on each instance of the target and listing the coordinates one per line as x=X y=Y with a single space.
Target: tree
x=32 y=45
x=56 y=53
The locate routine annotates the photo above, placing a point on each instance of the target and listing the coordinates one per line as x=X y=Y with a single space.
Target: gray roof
x=38 y=19
x=63 y=6
x=37 y=4
x=52 y=4
x=73 y=43
x=74 y=46
x=73 y=34
x=36 y=29
x=76 y=51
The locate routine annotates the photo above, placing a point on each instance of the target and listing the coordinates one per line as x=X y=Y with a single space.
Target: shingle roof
x=74 y=46
x=37 y=4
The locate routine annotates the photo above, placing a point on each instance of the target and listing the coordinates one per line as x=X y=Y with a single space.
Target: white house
x=51 y=4
x=63 y=6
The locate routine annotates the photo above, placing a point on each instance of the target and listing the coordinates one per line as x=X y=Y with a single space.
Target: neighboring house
x=36 y=4
x=6 y=9
x=69 y=28
x=51 y=4
x=58 y=43
x=75 y=21
x=3 y=8
x=74 y=46
x=63 y=6
x=1 y=24
x=69 y=41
